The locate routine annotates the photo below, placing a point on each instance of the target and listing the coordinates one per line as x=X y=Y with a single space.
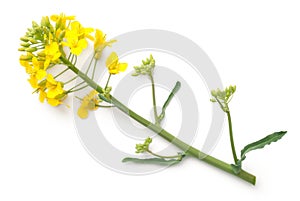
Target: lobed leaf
x=274 y=137
x=172 y=94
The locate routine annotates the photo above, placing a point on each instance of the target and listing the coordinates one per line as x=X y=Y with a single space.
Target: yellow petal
x=47 y=63
x=28 y=67
x=52 y=93
x=82 y=43
x=112 y=60
x=42 y=96
x=92 y=94
x=122 y=66
x=51 y=80
x=65 y=44
x=33 y=81
x=54 y=17
x=41 y=74
x=56 y=56
x=113 y=71
x=35 y=63
x=53 y=102
x=82 y=112
x=99 y=38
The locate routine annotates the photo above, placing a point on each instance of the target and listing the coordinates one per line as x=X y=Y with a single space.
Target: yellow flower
x=52 y=53
x=54 y=87
x=51 y=101
x=33 y=81
x=76 y=38
x=36 y=71
x=43 y=95
x=89 y=102
x=27 y=66
x=100 y=43
x=52 y=91
x=61 y=19
x=113 y=65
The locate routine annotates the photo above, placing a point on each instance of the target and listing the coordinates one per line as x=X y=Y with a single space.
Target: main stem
x=154 y=99
x=231 y=137
x=163 y=133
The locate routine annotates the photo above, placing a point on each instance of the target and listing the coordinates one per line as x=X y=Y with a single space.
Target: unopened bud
x=34 y=24
x=98 y=55
x=24 y=38
x=33 y=41
x=213 y=93
x=41 y=54
x=22 y=49
x=25 y=44
x=26 y=57
x=213 y=100
x=31 y=49
x=45 y=21
x=62 y=35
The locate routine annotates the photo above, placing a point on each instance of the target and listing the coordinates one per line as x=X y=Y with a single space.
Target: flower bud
x=62 y=35
x=41 y=54
x=25 y=44
x=33 y=41
x=34 y=24
x=31 y=49
x=24 y=39
x=213 y=93
x=26 y=57
x=98 y=55
x=22 y=49
x=213 y=100
x=45 y=21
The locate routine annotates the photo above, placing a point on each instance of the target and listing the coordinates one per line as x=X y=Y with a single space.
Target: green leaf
x=172 y=94
x=262 y=143
x=104 y=97
x=274 y=137
x=157 y=161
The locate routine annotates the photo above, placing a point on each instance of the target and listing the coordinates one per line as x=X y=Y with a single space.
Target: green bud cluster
x=141 y=148
x=146 y=68
x=37 y=37
x=223 y=97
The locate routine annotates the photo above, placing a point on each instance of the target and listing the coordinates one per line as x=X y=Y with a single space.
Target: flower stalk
x=154 y=99
x=231 y=137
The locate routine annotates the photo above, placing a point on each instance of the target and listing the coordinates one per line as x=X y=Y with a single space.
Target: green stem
x=62 y=72
x=231 y=138
x=72 y=79
x=154 y=100
x=107 y=81
x=81 y=83
x=163 y=133
x=73 y=90
x=160 y=156
x=94 y=69
x=105 y=106
x=89 y=66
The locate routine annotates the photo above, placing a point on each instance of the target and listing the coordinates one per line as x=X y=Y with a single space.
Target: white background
x=253 y=44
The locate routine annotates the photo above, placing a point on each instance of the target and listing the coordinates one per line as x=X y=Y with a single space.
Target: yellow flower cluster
x=56 y=42
x=43 y=45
